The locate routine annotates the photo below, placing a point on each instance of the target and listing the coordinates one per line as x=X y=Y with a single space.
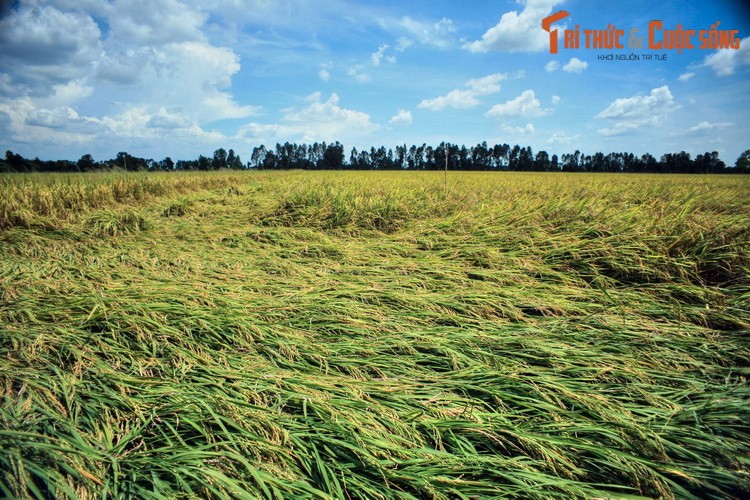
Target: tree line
x=322 y=156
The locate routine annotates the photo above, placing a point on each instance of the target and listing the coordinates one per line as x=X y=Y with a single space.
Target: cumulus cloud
x=318 y=121
x=170 y=76
x=403 y=117
x=631 y=113
x=489 y=84
x=51 y=118
x=457 y=99
x=575 y=65
x=726 y=61
x=46 y=46
x=517 y=31
x=56 y=123
x=468 y=97
x=525 y=105
x=555 y=99
x=65 y=94
x=124 y=67
x=156 y=22
x=168 y=120
x=201 y=74
x=60 y=59
x=144 y=72
x=44 y=35
x=63 y=125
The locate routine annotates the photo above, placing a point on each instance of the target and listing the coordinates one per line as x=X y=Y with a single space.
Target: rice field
x=374 y=335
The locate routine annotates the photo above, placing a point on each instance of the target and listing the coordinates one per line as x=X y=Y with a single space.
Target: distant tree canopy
x=322 y=156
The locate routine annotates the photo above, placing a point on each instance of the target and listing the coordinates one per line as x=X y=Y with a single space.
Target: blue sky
x=174 y=78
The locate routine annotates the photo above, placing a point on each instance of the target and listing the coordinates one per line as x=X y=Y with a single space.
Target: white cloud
x=153 y=114
x=28 y=123
x=156 y=22
x=46 y=46
x=701 y=129
x=457 y=99
x=139 y=125
x=725 y=62
x=170 y=76
x=377 y=56
x=468 y=98
x=124 y=67
x=67 y=93
x=445 y=26
x=403 y=43
x=64 y=59
x=168 y=120
x=56 y=118
x=131 y=123
x=357 y=73
x=685 y=77
x=324 y=73
x=575 y=65
x=526 y=105
x=563 y=138
x=528 y=129
x=631 y=113
x=439 y=34
x=200 y=75
x=555 y=99
x=517 y=32
x=486 y=85
x=403 y=117
x=318 y=121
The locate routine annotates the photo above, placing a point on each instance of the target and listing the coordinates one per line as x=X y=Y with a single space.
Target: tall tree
x=16 y=162
x=333 y=157
x=554 y=164
x=233 y=160
x=742 y=165
x=257 y=156
x=86 y=164
x=220 y=159
x=542 y=162
x=167 y=164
